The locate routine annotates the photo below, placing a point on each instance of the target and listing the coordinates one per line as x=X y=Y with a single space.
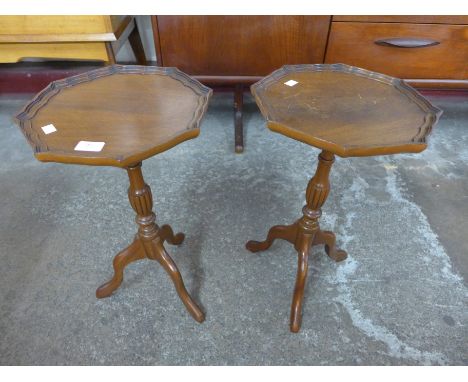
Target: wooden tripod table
x=344 y=111
x=119 y=116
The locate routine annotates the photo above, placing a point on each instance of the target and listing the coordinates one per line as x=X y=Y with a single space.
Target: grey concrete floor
x=399 y=298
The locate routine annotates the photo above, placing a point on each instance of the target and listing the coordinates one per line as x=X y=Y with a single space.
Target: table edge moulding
x=41 y=150
x=417 y=144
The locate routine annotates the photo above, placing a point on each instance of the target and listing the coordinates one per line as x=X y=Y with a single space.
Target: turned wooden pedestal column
x=305 y=233
x=149 y=243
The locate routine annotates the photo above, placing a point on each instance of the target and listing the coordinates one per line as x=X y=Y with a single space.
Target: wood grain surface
x=416 y=19
x=32 y=29
x=138 y=111
x=239 y=45
x=355 y=44
x=346 y=110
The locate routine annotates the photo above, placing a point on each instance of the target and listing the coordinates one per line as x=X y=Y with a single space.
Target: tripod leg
x=328 y=238
x=171 y=268
x=167 y=234
x=285 y=232
x=130 y=254
x=301 y=277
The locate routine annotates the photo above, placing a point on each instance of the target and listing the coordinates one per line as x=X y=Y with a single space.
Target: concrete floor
x=399 y=298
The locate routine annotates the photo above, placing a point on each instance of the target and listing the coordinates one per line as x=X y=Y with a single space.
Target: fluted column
x=141 y=200
x=317 y=193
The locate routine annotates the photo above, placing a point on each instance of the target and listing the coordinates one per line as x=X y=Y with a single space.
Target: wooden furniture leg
x=303 y=248
x=148 y=243
x=238 y=125
x=167 y=234
x=137 y=46
x=110 y=53
x=328 y=238
x=285 y=232
x=305 y=233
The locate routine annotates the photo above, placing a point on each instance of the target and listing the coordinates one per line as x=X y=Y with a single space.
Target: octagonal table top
x=116 y=116
x=346 y=110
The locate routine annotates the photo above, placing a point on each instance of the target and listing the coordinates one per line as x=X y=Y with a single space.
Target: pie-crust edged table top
x=138 y=111
x=345 y=110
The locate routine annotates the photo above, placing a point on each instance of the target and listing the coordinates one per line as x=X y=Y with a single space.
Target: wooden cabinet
x=428 y=51
x=415 y=19
x=67 y=37
x=239 y=45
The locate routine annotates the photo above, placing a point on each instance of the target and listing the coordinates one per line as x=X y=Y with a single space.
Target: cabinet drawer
x=50 y=28
x=405 y=19
x=355 y=44
x=80 y=50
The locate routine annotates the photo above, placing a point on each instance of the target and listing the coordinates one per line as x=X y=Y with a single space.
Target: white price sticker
x=291 y=83
x=49 y=129
x=89 y=146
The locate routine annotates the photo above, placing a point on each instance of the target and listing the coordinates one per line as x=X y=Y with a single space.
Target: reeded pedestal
x=305 y=233
x=149 y=243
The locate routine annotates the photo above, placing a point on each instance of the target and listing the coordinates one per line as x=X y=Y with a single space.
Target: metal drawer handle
x=407 y=42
